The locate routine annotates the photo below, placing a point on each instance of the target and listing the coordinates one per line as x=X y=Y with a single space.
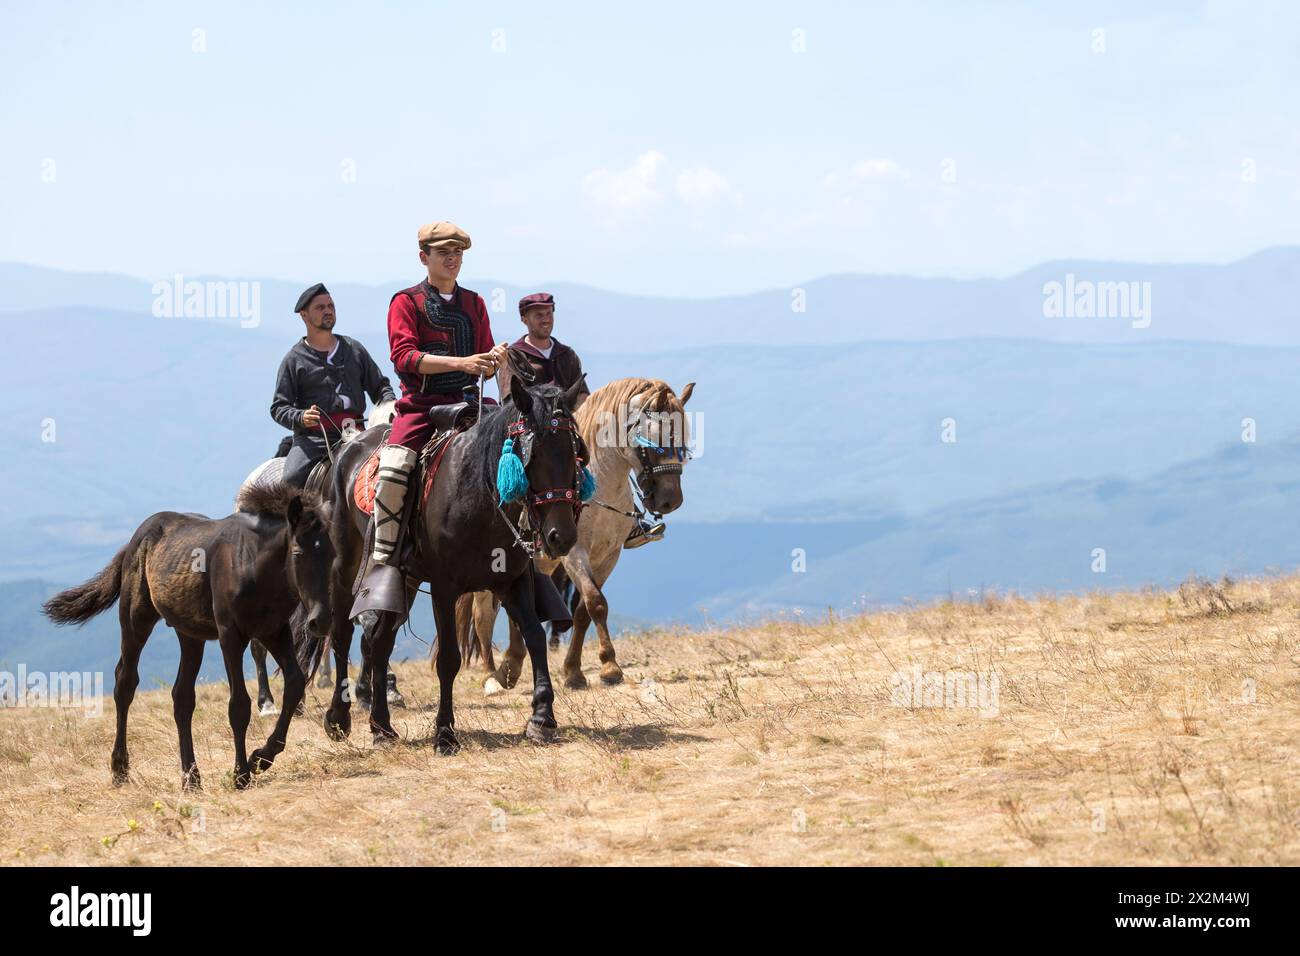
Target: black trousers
x=305 y=451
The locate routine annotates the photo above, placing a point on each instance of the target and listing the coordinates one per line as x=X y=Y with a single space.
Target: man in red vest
x=441 y=342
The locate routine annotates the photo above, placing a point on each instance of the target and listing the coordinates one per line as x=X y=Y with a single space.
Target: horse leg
x=382 y=638
x=265 y=702
x=137 y=617
x=183 y=707
x=338 y=717
x=281 y=648
x=323 y=680
x=571 y=669
x=519 y=605
x=448 y=664
x=512 y=658
x=597 y=610
x=363 y=693
x=240 y=709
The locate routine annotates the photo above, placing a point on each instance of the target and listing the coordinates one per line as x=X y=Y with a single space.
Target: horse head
x=657 y=445
x=553 y=453
x=310 y=559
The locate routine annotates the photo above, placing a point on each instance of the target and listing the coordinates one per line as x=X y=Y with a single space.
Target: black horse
x=230 y=580
x=465 y=542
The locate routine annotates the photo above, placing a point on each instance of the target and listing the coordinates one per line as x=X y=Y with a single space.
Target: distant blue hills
x=822 y=431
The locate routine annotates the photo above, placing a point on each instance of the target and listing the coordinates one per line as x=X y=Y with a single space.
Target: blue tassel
x=512 y=483
x=587 y=488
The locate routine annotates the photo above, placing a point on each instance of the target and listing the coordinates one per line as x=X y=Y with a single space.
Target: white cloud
x=621 y=194
x=879 y=169
x=702 y=185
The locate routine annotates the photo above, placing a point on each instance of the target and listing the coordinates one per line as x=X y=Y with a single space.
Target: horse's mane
x=609 y=398
x=271 y=499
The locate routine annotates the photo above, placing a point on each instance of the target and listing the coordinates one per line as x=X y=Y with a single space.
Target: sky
x=683 y=149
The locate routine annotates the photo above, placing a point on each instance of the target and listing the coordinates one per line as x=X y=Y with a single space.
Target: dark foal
x=465 y=544
x=231 y=580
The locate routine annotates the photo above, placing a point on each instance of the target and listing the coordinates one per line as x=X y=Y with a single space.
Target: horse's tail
x=78 y=605
x=307 y=647
x=465 y=632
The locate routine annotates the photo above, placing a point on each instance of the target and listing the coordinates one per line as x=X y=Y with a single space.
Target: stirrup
x=382 y=589
x=644 y=534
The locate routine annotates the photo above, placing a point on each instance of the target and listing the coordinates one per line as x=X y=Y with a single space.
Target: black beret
x=304 y=300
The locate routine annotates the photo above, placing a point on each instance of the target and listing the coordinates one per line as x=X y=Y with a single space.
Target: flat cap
x=443 y=235
x=304 y=300
x=537 y=298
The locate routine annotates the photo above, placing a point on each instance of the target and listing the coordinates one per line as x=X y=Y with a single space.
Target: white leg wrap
x=395 y=464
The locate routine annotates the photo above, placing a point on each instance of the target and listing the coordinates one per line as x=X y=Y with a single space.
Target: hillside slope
x=1154 y=728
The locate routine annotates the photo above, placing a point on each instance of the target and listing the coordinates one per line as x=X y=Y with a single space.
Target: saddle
x=383 y=587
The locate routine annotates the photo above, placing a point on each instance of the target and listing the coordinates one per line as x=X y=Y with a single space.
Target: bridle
x=523 y=435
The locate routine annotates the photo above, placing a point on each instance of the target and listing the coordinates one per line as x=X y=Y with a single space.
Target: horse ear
x=293 y=514
x=573 y=391
x=519 y=394
x=685 y=395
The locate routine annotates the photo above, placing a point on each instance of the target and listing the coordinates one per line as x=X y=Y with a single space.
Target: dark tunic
x=562 y=368
x=306 y=379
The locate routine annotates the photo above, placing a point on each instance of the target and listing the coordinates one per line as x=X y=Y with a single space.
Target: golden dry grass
x=1154 y=728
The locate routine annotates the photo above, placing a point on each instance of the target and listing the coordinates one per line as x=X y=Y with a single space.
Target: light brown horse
x=611 y=421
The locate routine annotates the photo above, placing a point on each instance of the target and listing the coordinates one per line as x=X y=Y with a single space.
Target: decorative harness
x=530 y=519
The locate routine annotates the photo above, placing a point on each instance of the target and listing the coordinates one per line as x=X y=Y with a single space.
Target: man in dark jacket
x=538 y=357
x=321 y=388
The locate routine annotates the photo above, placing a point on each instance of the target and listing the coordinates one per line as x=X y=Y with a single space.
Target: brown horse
x=230 y=580
x=634 y=425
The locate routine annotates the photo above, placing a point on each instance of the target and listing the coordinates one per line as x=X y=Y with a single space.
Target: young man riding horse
x=441 y=341
x=321 y=386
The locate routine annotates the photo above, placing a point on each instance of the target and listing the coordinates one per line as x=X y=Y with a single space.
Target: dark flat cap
x=304 y=300
x=537 y=298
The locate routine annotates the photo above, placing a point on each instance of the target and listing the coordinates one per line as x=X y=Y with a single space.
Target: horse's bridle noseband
x=523 y=434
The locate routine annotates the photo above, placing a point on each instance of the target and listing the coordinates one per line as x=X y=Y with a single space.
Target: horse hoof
x=338 y=729
x=611 y=674
x=191 y=780
x=575 y=681
x=492 y=687
x=268 y=709
x=447 y=743
x=383 y=741
x=260 y=762
x=509 y=674
x=120 y=777
x=539 y=733
x=242 y=778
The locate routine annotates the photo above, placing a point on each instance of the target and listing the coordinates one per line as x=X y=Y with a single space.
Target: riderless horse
x=231 y=580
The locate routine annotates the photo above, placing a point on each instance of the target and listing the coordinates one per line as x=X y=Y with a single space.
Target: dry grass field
x=1152 y=728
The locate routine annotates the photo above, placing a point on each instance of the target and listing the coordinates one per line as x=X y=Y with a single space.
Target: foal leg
x=281 y=648
x=240 y=709
x=137 y=618
x=541 y=726
x=265 y=702
x=512 y=658
x=183 y=707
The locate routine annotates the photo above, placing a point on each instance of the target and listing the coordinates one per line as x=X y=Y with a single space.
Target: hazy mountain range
x=821 y=430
